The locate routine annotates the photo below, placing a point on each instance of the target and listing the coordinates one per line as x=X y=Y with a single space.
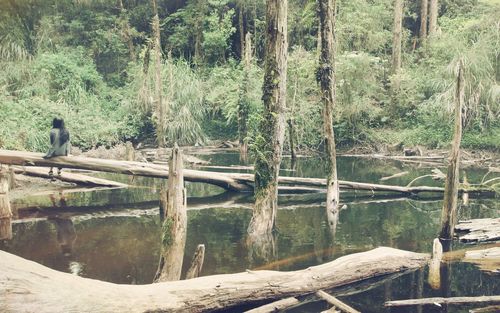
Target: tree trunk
x=198 y=34
x=326 y=79
x=397 y=34
x=5 y=210
x=26 y=286
x=243 y=101
x=291 y=125
x=241 y=29
x=433 y=15
x=450 y=202
x=126 y=31
x=160 y=110
x=423 y=21
x=269 y=143
x=175 y=221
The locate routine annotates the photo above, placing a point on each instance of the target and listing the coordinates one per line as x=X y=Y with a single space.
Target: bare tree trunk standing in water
x=326 y=79
x=160 y=110
x=450 y=202
x=433 y=15
x=423 y=21
x=243 y=103
x=397 y=33
x=269 y=143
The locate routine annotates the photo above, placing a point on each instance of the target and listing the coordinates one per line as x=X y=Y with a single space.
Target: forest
x=93 y=63
x=249 y=156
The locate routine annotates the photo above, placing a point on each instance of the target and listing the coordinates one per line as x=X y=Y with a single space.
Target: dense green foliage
x=89 y=62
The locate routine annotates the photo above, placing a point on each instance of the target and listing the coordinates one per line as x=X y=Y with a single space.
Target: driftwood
x=336 y=302
x=78 y=179
x=230 y=181
x=276 y=306
x=493 y=308
x=478 y=230
x=26 y=286
x=454 y=300
x=488 y=260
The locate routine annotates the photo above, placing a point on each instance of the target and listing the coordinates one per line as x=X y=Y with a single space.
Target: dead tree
x=174 y=226
x=433 y=15
x=451 y=186
x=326 y=79
x=269 y=143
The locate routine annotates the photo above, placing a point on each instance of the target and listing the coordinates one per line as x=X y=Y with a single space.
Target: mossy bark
x=269 y=143
x=174 y=226
x=450 y=202
x=326 y=79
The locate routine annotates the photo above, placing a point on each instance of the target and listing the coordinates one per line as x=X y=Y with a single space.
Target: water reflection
x=66 y=234
x=119 y=230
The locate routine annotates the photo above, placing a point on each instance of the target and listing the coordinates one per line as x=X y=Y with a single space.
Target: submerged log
x=73 y=178
x=478 y=230
x=230 y=181
x=453 y=300
x=197 y=262
x=26 y=286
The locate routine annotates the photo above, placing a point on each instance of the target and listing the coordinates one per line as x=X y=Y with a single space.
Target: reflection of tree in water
x=261 y=248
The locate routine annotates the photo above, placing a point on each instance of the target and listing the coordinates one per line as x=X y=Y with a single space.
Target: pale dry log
x=5 y=209
x=26 y=286
x=488 y=260
x=493 y=308
x=276 y=306
x=478 y=230
x=229 y=181
x=336 y=302
x=197 y=262
x=453 y=300
x=434 y=278
x=73 y=178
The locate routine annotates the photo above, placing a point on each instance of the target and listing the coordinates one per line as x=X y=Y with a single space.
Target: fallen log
x=26 y=286
x=478 y=230
x=73 y=178
x=276 y=306
x=454 y=300
x=240 y=182
x=494 y=308
x=487 y=260
x=336 y=302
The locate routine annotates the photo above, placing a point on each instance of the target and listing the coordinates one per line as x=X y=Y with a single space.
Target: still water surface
x=113 y=235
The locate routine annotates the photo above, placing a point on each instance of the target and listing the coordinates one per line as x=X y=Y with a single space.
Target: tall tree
x=269 y=143
x=396 y=40
x=433 y=15
x=243 y=101
x=423 y=20
x=159 y=109
x=326 y=79
x=127 y=36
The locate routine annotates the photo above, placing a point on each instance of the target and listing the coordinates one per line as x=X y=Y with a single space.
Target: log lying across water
x=26 y=286
x=454 y=300
x=230 y=181
x=478 y=230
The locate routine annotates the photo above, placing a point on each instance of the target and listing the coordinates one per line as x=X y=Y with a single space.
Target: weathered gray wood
x=230 y=181
x=73 y=178
x=26 y=286
x=478 y=230
x=336 y=302
x=453 y=300
x=487 y=260
x=276 y=306
x=434 y=279
x=5 y=209
x=493 y=308
x=197 y=262
x=174 y=227
x=450 y=202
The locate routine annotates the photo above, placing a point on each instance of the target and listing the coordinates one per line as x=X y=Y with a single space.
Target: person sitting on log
x=59 y=141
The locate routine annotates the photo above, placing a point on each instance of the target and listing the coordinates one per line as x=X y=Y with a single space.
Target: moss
x=166 y=232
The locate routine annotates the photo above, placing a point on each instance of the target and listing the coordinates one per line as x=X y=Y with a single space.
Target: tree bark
x=423 y=21
x=326 y=79
x=241 y=11
x=126 y=31
x=5 y=209
x=26 y=286
x=397 y=34
x=269 y=143
x=160 y=110
x=243 y=101
x=433 y=15
x=174 y=226
x=336 y=302
x=450 y=202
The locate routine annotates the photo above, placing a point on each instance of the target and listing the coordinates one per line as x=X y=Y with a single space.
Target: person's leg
x=59 y=169
x=51 y=174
